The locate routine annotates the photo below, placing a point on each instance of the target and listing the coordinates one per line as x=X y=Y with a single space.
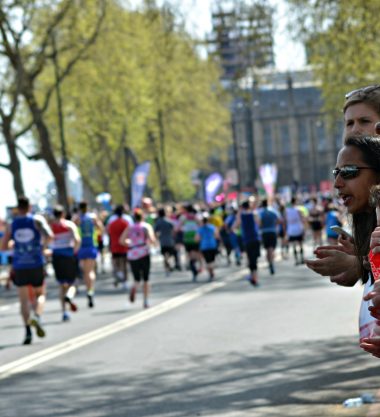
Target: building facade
x=283 y=123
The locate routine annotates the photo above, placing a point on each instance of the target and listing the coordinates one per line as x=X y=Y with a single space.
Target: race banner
x=212 y=184
x=268 y=175
x=139 y=180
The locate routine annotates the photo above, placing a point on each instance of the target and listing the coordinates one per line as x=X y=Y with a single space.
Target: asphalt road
x=287 y=348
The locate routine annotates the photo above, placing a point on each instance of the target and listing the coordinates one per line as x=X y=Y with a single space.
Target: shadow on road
x=311 y=379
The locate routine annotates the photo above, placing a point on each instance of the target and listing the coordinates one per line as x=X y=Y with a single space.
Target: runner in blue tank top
x=29 y=235
x=207 y=236
x=247 y=220
x=87 y=253
x=269 y=220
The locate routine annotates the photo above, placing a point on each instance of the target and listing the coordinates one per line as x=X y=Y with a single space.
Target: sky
x=198 y=21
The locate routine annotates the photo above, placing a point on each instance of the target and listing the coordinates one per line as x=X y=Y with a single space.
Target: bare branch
x=24 y=130
x=41 y=59
x=66 y=71
x=34 y=157
x=9 y=52
x=15 y=96
x=5 y=166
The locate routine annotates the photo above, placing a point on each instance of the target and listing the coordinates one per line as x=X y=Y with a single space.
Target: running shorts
x=170 y=250
x=316 y=225
x=209 y=255
x=87 y=253
x=140 y=268
x=65 y=268
x=190 y=247
x=269 y=240
x=116 y=255
x=34 y=277
x=298 y=238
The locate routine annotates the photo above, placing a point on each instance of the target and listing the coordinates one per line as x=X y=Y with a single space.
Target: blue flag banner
x=212 y=184
x=139 y=180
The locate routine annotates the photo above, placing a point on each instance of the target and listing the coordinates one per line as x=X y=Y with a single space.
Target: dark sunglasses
x=348 y=172
x=363 y=90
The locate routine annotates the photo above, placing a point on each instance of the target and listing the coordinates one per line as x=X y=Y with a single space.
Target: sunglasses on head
x=348 y=172
x=363 y=90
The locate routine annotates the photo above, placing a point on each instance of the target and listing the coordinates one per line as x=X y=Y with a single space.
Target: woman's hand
x=345 y=279
x=375 y=240
x=374 y=295
x=371 y=345
x=346 y=245
x=332 y=260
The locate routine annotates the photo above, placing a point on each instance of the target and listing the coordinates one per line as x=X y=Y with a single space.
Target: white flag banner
x=268 y=175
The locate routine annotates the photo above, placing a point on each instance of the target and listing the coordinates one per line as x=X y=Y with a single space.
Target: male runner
x=29 y=234
x=66 y=243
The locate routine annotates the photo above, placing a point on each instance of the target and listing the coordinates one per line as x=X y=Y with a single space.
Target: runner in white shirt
x=294 y=221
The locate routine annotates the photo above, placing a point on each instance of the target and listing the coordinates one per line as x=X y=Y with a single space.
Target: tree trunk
x=165 y=192
x=46 y=146
x=14 y=162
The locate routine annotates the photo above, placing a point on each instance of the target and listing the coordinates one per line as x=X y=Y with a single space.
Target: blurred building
x=282 y=122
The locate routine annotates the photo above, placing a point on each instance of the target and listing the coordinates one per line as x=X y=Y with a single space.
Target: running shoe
x=73 y=306
x=66 y=316
x=271 y=269
x=252 y=282
x=90 y=300
x=28 y=336
x=132 y=294
x=35 y=322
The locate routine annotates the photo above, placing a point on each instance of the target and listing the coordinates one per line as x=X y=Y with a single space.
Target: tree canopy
x=341 y=37
x=142 y=86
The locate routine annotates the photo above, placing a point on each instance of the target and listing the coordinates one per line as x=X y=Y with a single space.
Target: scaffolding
x=242 y=37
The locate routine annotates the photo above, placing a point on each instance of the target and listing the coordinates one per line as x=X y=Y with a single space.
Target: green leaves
x=144 y=75
x=342 y=40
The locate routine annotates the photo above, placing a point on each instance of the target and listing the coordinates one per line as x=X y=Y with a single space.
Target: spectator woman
x=361 y=114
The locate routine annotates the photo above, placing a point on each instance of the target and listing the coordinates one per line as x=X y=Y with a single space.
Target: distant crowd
x=189 y=237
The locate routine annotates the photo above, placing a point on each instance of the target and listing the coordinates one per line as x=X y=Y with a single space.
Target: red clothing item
x=115 y=229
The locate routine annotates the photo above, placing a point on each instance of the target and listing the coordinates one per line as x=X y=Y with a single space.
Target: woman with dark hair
x=361 y=112
x=357 y=172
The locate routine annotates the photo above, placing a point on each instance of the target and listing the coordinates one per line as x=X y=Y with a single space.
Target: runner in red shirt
x=115 y=227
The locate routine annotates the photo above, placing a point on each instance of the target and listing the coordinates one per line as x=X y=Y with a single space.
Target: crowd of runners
x=189 y=237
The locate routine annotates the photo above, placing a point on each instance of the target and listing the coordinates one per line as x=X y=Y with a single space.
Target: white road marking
x=60 y=349
x=9 y=306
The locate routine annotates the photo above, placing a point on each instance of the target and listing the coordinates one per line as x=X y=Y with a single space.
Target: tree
x=8 y=109
x=26 y=30
x=143 y=87
x=341 y=37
